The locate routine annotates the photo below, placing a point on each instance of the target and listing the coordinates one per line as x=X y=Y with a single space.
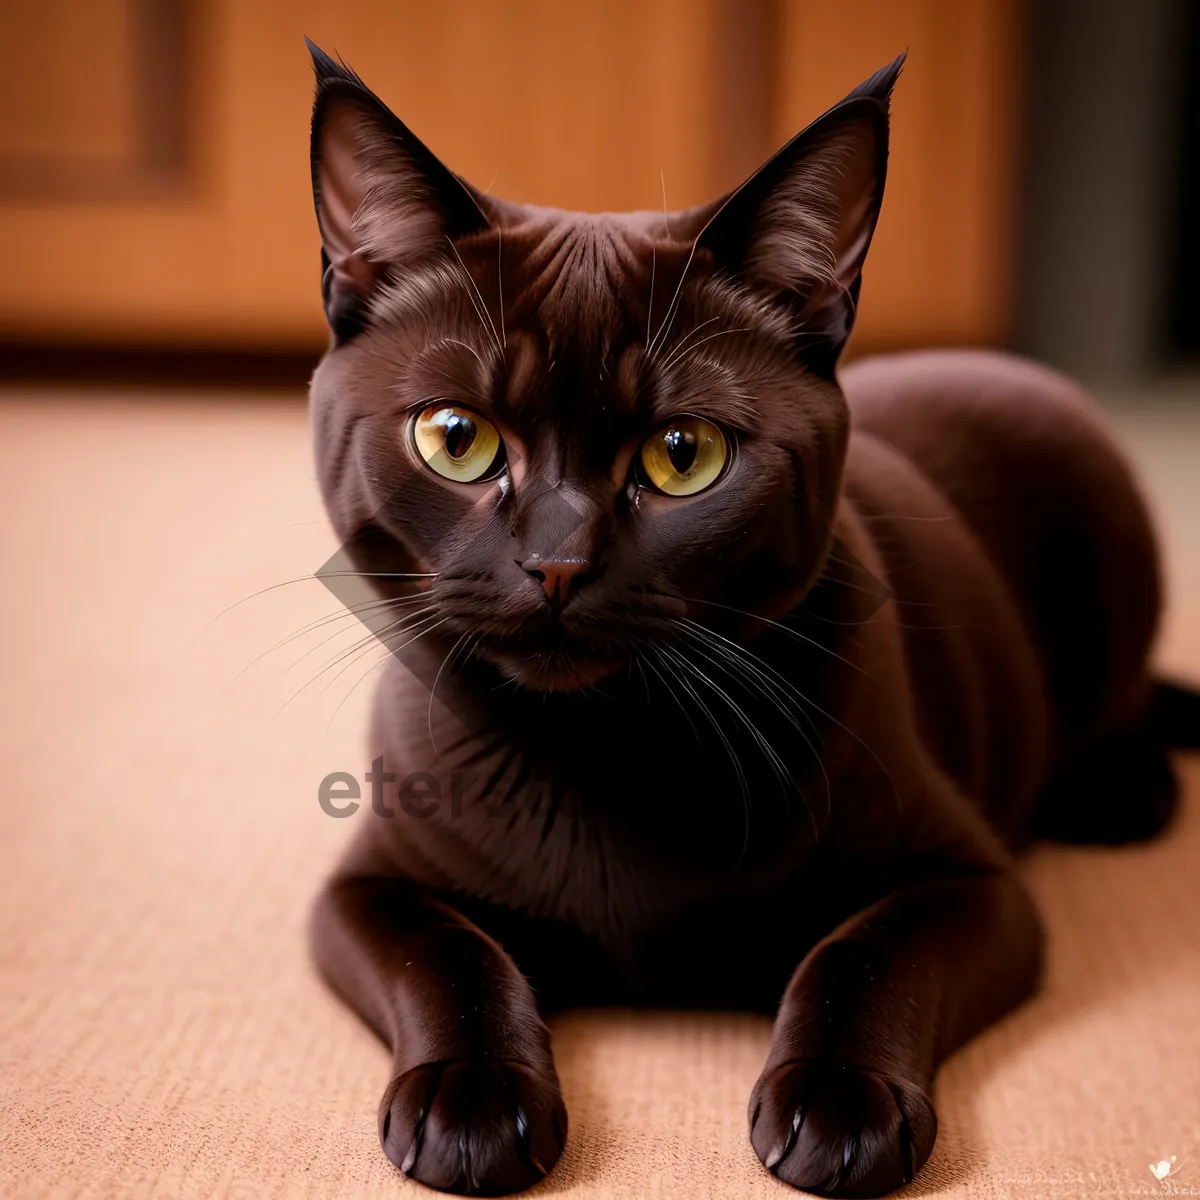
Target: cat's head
x=585 y=429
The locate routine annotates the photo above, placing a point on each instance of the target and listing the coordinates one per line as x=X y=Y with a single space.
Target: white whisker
x=480 y=308
x=675 y=357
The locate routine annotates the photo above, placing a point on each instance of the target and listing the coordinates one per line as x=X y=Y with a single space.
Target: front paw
x=840 y=1130
x=484 y=1127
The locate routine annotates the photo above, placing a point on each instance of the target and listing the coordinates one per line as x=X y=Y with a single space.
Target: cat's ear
x=384 y=201
x=800 y=226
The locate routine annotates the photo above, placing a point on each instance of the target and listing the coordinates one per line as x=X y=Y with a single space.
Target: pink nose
x=558 y=576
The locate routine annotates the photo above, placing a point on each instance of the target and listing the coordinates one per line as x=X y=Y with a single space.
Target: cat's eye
x=457 y=443
x=684 y=457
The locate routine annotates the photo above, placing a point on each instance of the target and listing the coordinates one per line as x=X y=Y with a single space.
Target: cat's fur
x=778 y=745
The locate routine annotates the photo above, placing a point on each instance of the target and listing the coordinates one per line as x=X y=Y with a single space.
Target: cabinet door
x=154 y=159
x=940 y=267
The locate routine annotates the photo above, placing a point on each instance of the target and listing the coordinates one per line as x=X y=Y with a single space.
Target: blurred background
x=155 y=212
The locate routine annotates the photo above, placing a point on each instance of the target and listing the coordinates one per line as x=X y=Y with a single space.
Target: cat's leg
x=473 y=1105
x=842 y=1107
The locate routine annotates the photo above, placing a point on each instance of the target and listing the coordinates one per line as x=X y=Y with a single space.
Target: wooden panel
x=593 y=105
x=576 y=105
x=939 y=268
x=69 y=84
x=93 y=99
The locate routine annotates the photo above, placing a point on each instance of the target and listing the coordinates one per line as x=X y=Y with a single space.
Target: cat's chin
x=555 y=672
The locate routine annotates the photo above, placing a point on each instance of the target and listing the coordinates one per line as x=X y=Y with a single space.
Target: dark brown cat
x=749 y=678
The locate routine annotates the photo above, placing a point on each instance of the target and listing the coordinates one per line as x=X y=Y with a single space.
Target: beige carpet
x=161 y=1032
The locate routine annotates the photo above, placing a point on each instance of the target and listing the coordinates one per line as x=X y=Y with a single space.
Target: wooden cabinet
x=153 y=153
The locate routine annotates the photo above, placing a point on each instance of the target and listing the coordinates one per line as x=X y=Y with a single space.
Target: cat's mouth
x=559 y=665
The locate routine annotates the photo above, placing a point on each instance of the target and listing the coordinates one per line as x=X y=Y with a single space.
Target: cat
x=726 y=679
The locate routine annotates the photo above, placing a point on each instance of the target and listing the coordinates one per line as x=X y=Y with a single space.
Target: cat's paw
x=483 y=1127
x=840 y=1130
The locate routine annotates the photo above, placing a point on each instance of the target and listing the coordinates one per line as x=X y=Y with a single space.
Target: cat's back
x=1022 y=454
x=956 y=412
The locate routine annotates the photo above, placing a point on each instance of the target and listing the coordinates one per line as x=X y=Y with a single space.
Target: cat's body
x=570 y=844
x=774 y=733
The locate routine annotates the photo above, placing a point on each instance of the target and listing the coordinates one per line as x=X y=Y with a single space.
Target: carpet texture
x=161 y=1031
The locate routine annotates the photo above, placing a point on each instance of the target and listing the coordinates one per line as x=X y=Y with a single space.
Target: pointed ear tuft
x=879 y=86
x=801 y=225
x=326 y=68
x=384 y=201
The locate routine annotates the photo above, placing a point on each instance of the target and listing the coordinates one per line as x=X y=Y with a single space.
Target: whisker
x=500 y=281
x=392 y=652
x=773 y=758
x=654 y=255
x=653 y=272
x=339 y=632
x=321 y=622
x=671 y=691
x=779 y=684
x=466 y=346
x=319 y=575
x=480 y=309
x=356 y=685
x=757 y=678
x=664 y=328
x=690 y=333
x=783 y=629
x=378 y=574
x=453 y=651
x=635 y=659
x=665 y=657
x=352 y=653
x=254 y=596
x=382 y=636
x=691 y=350
x=812 y=704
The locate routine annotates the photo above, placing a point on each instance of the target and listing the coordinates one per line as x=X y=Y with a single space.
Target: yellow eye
x=684 y=457
x=457 y=443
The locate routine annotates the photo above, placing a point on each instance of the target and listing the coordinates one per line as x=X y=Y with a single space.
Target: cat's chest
x=612 y=820
x=561 y=850
x=545 y=850
x=593 y=915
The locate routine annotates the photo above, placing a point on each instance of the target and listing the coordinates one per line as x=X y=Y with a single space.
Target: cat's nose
x=559 y=577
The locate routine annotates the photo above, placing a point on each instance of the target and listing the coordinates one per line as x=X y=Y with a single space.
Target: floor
x=161 y=1031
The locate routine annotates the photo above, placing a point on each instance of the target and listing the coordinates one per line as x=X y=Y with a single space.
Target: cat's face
x=585 y=431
